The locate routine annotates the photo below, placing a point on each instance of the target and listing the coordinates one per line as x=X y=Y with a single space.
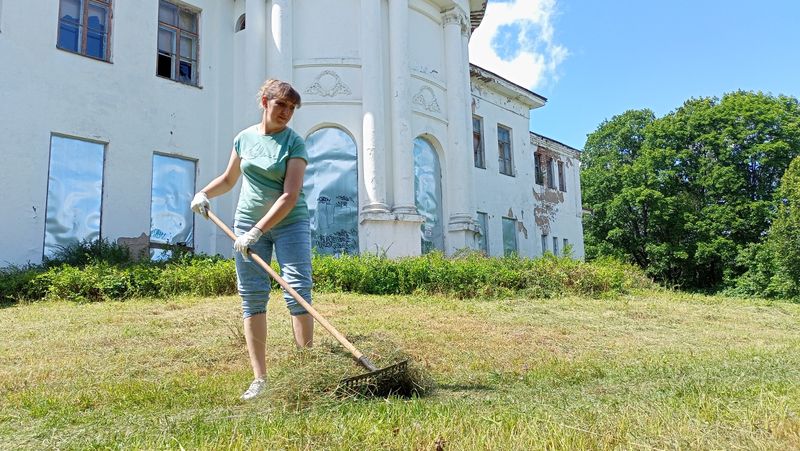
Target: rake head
x=394 y=380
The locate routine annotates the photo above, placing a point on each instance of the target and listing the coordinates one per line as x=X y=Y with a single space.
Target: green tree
x=698 y=189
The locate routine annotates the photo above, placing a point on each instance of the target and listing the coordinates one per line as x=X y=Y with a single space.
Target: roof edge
x=477 y=9
x=538 y=139
x=507 y=87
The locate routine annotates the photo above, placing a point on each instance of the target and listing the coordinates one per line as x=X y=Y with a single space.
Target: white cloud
x=527 y=30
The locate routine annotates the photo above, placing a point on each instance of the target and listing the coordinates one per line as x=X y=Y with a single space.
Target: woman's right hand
x=200 y=204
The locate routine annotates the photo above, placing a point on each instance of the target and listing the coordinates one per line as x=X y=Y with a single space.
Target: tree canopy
x=685 y=194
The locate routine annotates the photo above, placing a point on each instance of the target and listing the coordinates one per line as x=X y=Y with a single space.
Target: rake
x=393 y=379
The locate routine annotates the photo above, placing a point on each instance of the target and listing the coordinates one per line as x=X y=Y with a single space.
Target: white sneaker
x=257 y=387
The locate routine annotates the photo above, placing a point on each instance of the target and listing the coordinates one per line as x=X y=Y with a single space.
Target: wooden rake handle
x=358 y=355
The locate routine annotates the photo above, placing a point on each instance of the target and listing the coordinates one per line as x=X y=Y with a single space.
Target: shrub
x=85 y=252
x=466 y=275
x=17 y=283
x=200 y=276
x=95 y=282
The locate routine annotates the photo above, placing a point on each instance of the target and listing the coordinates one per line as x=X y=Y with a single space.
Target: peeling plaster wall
x=537 y=209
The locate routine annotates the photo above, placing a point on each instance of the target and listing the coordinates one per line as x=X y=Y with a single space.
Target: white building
x=114 y=113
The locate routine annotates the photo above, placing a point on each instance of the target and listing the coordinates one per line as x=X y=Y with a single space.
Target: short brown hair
x=276 y=89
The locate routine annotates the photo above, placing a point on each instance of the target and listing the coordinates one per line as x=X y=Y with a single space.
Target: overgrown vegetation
x=685 y=196
x=83 y=273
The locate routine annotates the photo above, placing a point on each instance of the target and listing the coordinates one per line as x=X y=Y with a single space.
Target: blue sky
x=595 y=59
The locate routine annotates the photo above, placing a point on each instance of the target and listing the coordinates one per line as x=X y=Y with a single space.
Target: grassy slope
x=659 y=370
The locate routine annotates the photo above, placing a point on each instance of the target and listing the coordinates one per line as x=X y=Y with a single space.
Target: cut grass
x=654 y=370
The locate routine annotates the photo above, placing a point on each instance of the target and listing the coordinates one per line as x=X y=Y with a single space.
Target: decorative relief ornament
x=328 y=84
x=426 y=98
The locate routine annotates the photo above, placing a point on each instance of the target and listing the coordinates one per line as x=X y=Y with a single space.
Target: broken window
x=331 y=191
x=504 y=149
x=74 y=192
x=84 y=28
x=562 y=181
x=177 y=43
x=551 y=180
x=171 y=218
x=483 y=237
x=428 y=195
x=538 y=173
x=510 y=237
x=477 y=142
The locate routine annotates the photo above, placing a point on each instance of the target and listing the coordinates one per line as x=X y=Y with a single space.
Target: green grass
x=652 y=370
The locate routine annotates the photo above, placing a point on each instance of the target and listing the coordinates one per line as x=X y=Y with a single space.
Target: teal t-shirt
x=263 y=163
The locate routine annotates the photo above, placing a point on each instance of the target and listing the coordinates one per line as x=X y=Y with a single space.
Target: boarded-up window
x=428 y=195
x=74 y=192
x=483 y=237
x=171 y=218
x=331 y=191
x=510 y=237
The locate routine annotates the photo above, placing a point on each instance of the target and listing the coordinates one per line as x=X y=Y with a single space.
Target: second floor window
x=504 y=149
x=83 y=27
x=537 y=167
x=177 y=43
x=551 y=178
x=477 y=142
x=562 y=181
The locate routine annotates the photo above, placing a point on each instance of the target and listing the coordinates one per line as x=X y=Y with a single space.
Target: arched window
x=331 y=191
x=240 y=23
x=428 y=194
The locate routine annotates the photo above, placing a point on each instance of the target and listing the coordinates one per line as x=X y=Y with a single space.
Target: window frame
x=83 y=27
x=537 y=169
x=479 y=153
x=167 y=246
x=551 y=178
x=47 y=189
x=562 y=181
x=506 y=164
x=484 y=223
x=178 y=33
x=513 y=222
x=555 y=246
x=544 y=243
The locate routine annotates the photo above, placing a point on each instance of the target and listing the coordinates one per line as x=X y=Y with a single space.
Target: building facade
x=114 y=115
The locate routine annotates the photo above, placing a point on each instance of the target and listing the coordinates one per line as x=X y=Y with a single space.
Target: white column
x=402 y=159
x=279 y=52
x=373 y=137
x=459 y=137
x=255 y=62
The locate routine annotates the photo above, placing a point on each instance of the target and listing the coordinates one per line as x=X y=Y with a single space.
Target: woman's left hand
x=246 y=240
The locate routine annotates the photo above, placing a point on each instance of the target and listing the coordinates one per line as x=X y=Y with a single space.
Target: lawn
x=651 y=370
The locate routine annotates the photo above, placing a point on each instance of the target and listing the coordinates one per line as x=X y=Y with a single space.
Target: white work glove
x=246 y=240
x=200 y=204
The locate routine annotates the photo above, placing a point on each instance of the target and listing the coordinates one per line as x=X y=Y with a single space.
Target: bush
x=17 y=283
x=470 y=274
x=85 y=252
x=200 y=276
x=467 y=275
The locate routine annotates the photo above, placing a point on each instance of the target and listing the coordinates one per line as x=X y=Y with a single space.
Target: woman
x=271 y=211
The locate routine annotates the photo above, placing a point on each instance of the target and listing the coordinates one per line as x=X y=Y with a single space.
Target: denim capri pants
x=293 y=249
